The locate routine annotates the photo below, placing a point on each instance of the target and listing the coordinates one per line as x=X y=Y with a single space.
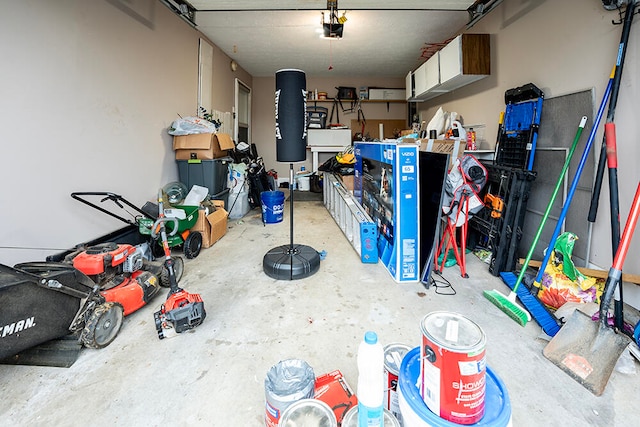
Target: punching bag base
x=289 y=262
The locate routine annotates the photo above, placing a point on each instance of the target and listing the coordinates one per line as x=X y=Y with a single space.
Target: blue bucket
x=415 y=412
x=272 y=206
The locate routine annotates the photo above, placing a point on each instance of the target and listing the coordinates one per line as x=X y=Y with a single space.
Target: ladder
x=352 y=219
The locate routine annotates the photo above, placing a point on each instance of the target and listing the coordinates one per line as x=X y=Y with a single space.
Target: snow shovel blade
x=587 y=351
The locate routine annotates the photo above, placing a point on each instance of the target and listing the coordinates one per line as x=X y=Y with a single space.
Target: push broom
x=611 y=92
x=540 y=313
x=508 y=303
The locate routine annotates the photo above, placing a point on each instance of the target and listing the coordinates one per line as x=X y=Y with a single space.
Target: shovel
x=588 y=350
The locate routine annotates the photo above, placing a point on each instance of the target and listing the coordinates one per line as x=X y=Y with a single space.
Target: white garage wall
x=86 y=95
x=563 y=47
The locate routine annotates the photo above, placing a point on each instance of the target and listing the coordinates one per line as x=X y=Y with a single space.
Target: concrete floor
x=214 y=375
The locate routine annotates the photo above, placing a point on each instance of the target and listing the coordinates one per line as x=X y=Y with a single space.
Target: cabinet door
x=451 y=60
x=433 y=71
x=409 y=85
x=420 y=80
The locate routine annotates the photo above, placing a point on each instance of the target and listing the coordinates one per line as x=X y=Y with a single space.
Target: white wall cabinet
x=410 y=87
x=427 y=78
x=420 y=80
x=464 y=60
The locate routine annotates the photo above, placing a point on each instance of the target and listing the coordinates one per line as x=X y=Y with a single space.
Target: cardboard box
x=332 y=389
x=203 y=146
x=448 y=146
x=387 y=94
x=386 y=185
x=347 y=181
x=212 y=226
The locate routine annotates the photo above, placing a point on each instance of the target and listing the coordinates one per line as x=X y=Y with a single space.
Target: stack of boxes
x=203 y=160
x=386 y=185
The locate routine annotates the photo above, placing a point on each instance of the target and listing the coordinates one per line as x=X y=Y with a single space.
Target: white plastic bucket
x=304 y=183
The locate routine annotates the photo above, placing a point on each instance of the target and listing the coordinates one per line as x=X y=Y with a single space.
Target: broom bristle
x=510 y=308
x=538 y=311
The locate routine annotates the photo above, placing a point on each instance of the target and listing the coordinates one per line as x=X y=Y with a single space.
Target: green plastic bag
x=563 y=251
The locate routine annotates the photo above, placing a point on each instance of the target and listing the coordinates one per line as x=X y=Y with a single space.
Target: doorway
x=242 y=122
x=205 y=76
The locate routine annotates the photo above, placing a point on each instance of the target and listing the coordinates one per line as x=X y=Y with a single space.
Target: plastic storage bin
x=211 y=174
x=317 y=117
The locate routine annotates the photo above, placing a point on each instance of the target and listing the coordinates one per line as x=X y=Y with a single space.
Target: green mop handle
x=583 y=122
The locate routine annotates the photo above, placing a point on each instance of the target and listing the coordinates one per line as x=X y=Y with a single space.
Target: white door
x=205 y=76
x=242 y=131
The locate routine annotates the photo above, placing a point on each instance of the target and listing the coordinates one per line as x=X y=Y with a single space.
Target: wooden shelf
x=379 y=101
x=364 y=101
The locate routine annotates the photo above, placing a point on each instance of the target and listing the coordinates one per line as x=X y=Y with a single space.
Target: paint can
x=308 y=412
x=393 y=355
x=351 y=418
x=453 y=367
x=286 y=383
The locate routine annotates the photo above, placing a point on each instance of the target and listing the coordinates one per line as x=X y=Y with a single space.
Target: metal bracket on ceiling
x=479 y=9
x=183 y=9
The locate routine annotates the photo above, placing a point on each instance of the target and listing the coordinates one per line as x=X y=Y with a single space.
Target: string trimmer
x=181 y=311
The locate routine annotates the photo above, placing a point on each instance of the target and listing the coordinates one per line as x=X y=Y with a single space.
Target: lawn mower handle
x=115 y=198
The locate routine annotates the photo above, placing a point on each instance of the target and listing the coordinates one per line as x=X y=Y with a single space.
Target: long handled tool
x=574 y=182
x=499 y=137
x=602 y=161
x=588 y=350
x=608 y=151
x=508 y=303
x=612 y=164
x=181 y=311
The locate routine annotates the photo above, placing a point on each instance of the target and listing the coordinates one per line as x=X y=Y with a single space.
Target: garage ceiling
x=381 y=38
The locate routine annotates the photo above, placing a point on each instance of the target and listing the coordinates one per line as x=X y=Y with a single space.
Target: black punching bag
x=292 y=261
x=291 y=116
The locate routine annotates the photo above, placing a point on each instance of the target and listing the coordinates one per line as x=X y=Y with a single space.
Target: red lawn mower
x=43 y=301
x=121 y=273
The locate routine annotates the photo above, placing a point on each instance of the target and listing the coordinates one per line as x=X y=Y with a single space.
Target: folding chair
x=461 y=199
x=449 y=241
